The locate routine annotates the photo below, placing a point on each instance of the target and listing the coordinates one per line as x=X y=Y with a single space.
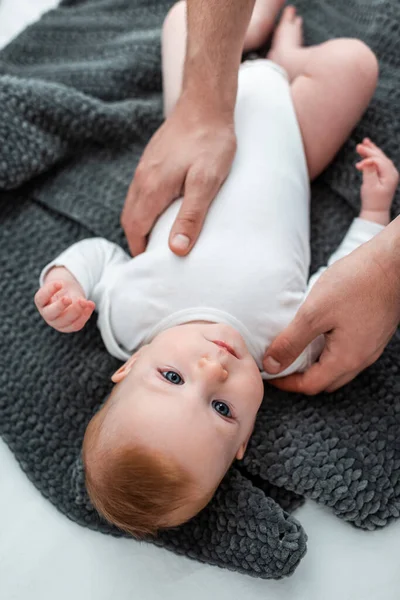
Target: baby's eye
x=172 y=377
x=221 y=408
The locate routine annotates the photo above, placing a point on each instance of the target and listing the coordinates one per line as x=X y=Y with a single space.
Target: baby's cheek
x=257 y=390
x=250 y=391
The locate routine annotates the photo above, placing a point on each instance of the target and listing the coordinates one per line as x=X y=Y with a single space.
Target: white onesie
x=249 y=268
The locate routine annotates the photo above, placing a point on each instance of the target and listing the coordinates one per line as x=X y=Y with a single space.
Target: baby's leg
x=174 y=43
x=331 y=83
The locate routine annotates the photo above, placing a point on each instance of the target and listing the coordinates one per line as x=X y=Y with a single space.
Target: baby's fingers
x=368 y=164
x=71 y=314
x=373 y=147
x=44 y=295
x=60 y=294
x=80 y=321
x=367 y=150
x=52 y=312
x=382 y=167
x=87 y=303
x=364 y=150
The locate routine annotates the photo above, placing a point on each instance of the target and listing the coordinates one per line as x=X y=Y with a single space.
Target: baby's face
x=193 y=393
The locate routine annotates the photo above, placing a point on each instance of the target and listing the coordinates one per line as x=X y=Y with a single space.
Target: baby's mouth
x=225 y=346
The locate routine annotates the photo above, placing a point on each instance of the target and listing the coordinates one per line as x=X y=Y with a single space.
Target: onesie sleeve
x=360 y=231
x=92 y=262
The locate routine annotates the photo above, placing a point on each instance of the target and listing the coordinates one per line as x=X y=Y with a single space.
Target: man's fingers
x=292 y=341
x=133 y=228
x=137 y=243
x=341 y=381
x=145 y=202
x=201 y=187
x=319 y=377
x=45 y=293
x=348 y=374
x=333 y=370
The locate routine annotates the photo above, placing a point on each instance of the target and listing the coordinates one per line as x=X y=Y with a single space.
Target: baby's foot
x=287 y=37
x=262 y=23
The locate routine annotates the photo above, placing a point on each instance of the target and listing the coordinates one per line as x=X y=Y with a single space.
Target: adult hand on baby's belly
x=356 y=305
x=190 y=154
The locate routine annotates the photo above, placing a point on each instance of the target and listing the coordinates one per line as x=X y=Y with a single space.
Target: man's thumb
x=289 y=344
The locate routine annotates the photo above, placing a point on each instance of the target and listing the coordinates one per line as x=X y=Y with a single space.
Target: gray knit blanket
x=80 y=95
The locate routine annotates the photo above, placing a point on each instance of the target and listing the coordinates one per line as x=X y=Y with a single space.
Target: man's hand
x=61 y=301
x=191 y=154
x=356 y=305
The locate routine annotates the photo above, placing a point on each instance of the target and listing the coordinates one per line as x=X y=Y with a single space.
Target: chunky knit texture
x=80 y=94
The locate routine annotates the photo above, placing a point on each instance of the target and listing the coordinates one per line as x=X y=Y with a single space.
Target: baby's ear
x=126 y=367
x=242 y=450
x=243 y=447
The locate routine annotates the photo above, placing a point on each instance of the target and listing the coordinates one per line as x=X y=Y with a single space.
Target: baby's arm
x=380 y=180
x=74 y=282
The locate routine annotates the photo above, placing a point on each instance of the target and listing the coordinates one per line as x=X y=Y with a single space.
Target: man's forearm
x=216 y=31
x=390 y=244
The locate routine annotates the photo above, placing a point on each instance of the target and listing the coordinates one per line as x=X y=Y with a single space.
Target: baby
x=192 y=331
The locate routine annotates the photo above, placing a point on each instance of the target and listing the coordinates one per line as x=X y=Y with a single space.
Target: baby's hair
x=133 y=487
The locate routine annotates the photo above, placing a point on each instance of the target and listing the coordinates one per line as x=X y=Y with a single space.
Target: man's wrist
x=210 y=89
x=208 y=105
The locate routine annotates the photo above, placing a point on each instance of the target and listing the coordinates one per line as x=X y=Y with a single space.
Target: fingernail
x=181 y=241
x=271 y=365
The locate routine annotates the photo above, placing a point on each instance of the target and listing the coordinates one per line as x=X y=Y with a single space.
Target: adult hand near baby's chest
x=191 y=154
x=356 y=305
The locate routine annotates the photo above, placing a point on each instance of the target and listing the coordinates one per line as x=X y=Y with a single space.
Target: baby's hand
x=62 y=303
x=380 y=180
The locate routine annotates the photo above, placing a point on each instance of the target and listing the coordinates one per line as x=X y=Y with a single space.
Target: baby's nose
x=213 y=368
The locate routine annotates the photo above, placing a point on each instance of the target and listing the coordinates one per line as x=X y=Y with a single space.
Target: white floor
x=16 y=14
x=43 y=556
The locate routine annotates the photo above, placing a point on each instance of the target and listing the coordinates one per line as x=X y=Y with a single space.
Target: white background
x=44 y=556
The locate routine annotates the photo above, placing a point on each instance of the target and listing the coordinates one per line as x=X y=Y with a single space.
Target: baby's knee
x=361 y=61
x=366 y=60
